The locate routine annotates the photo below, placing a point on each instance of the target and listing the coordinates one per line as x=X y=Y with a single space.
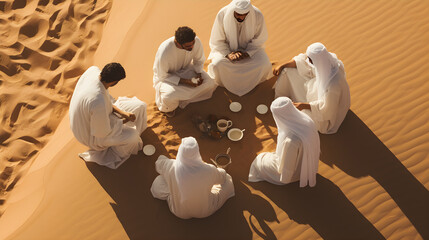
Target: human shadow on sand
x=357 y=151
x=324 y=207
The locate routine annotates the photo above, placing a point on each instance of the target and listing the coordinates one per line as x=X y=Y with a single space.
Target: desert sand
x=373 y=176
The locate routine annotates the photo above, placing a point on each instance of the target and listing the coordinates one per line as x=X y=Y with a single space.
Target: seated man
x=111 y=129
x=178 y=75
x=316 y=82
x=239 y=61
x=192 y=188
x=298 y=148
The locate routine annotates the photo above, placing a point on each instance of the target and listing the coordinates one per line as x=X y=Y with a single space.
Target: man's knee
x=132 y=134
x=209 y=83
x=141 y=107
x=168 y=103
x=159 y=188
x=218 y=61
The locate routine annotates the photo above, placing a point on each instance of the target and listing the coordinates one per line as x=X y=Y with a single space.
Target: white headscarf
x=188 y=161
x=288 y=118
x=230 y=23
x=326 y=65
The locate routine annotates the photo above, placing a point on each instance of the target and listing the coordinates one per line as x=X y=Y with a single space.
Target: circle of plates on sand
x=149 y=150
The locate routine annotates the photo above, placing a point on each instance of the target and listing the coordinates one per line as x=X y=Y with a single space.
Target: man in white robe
x=192 y=188
x=178 y=75
x=238 y=58
x=110 y=128
x=316 y=82
x=297 y=152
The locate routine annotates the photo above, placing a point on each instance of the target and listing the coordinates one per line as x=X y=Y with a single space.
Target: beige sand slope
x=374 y=173
x=44 y=47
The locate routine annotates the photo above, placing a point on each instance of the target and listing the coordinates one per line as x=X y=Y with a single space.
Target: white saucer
x=235 y=134
x=235 y=106
x=149 y=150
x=262 y=109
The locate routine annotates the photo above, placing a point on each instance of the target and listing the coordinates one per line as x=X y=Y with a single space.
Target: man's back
x=89 y=98
x=199 y=203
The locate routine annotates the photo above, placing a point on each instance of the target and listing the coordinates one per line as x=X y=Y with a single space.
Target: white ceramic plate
x=235 y=134
x=235 y=106
x=149 y=150
x=262 y=109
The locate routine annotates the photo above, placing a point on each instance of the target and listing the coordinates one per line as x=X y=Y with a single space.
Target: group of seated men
x=311 y=96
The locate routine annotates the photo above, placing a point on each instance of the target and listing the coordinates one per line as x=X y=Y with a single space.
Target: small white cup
x=223 y=124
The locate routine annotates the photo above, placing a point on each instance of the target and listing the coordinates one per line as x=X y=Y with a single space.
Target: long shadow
x=356 y=150
x=144 y=217
x=324 y=207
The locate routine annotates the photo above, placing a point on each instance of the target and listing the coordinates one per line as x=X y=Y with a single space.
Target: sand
x=45 y=47
x=373 y=175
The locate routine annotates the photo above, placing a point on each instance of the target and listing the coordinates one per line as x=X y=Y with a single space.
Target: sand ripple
x=44 y=46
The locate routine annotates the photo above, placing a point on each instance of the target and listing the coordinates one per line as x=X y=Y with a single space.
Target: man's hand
x=237 y=56
x=200 y=78
x=243 y=55
x=279 y=68
x=127 y=117
x=300 y=106
x=130 y=117
x=188 y=82
x=233 y=56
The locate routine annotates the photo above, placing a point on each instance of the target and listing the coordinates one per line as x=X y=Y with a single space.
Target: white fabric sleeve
x=161 y=164
x=99 y=120
x=112 y=99
x=260 y=38
x=220 y=176
x=218 y=41
x=163 y=71
x=199 y=58
x=326 y=109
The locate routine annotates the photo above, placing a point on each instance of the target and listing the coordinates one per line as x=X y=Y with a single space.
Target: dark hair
x=184 y=35
x=112 y=72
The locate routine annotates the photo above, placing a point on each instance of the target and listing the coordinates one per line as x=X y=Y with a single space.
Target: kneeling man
x=298 y=148
x=192 y=188
x=110 y=128
x=239 y=61
x=178 y=75
x=316 y=82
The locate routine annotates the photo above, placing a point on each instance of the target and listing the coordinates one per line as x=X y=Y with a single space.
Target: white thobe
x=212 y=187
x=171 y=64
x=242 y=76
x=93 y=123
x=267 y=166
x=299 y=84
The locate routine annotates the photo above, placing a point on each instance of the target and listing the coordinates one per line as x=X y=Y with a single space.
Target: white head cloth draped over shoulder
x=288 y=118
x=326 y=65
x=187 y=162
x=230 y=23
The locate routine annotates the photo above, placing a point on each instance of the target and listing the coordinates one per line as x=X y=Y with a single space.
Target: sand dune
x=45 y=46
x=373 y=176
